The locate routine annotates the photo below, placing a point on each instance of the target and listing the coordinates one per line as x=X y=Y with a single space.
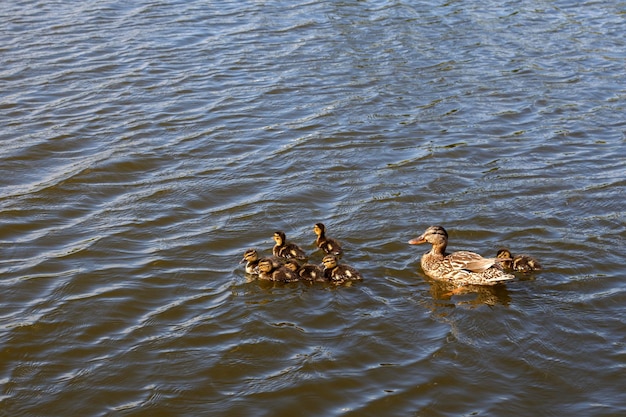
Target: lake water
x=147 y=144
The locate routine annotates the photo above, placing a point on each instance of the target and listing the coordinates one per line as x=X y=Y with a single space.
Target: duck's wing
x=470 y=261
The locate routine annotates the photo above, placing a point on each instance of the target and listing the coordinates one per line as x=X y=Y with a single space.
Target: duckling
x=506 y=258
x=268 y=271
x=251 y=257
x=306 y=272
x=327 y=244
x=518 y=263
x=461 y=267
x=337 y=273
x=286 y=249
x=525 y=264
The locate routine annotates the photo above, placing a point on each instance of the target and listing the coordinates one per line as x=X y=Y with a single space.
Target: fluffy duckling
x=269 y=271
x=328 y=245
x=284 y=249
x=519 y=263
x=525 y=264
x=251 y=257
x=337 y=273
x=506 y=258
x=306 y=272
x=461 y=267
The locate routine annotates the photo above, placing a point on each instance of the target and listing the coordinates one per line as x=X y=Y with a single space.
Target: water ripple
x=147 y=145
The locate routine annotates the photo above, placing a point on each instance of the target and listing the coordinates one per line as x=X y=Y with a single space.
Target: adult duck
x=328 y=245
x=339 y=273
x=462 y=267
x=284 y=249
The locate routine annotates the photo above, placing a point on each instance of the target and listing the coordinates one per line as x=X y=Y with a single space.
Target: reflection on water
x=469 y=295
x=146 y=145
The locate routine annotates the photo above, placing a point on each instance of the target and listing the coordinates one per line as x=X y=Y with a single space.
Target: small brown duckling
x=518 y=263
x=506 y=258
x=251 y=257
x=268 y=271
x=525 y=264
x=285 y=249
x=338 y=273
x=306 y=272
x=328 y=245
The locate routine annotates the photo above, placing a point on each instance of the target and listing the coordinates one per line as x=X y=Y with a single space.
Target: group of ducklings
x=288 y=261
x=518 y=263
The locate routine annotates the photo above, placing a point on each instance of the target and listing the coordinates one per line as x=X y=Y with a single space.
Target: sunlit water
x=146 y=145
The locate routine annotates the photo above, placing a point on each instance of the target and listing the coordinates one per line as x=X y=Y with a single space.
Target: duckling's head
x=265 y=265
x=329 y=261
x=293 y=265
x=250 y=255
x=319 y=229
x=504 y=253
x=505 y=257
x=279 y=237
x=435 y=235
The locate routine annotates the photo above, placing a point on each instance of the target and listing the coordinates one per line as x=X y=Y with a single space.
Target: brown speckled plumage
x=462 y=267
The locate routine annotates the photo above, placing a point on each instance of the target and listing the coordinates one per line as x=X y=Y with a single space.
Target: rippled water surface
x=147 y=144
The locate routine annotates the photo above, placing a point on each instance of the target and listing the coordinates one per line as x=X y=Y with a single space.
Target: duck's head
x=435 y=235
x=279 y=237
x=329 y=261
x=250 y=255
x=319 y=229
x=265 y=265
x=293 y=265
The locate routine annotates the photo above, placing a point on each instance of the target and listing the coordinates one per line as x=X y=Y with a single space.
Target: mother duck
x=462 y=267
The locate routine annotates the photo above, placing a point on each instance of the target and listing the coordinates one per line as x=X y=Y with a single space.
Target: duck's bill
x=417 y=241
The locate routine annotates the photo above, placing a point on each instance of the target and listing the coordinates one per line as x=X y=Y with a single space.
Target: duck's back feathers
x=470 y=261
